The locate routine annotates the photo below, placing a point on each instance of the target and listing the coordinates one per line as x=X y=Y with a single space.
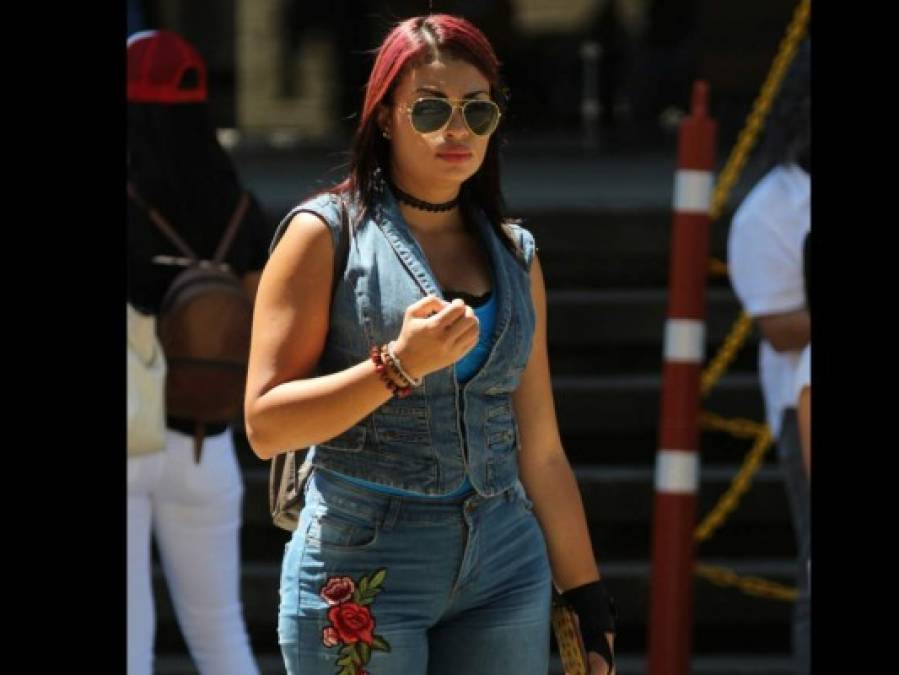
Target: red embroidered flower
x=338 y=589
x=353 y=623
x=330 y=636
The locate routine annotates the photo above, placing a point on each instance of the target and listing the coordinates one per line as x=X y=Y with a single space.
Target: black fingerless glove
x=596 y=615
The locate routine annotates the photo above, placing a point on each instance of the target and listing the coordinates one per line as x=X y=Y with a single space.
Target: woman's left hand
x=597 y=664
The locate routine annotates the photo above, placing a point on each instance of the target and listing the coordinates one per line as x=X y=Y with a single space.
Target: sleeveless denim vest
x=428 y=441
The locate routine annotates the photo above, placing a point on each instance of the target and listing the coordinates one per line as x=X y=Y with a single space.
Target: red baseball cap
x=164 y=68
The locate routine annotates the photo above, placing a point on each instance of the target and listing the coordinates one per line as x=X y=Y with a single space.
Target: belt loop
x=394 y=506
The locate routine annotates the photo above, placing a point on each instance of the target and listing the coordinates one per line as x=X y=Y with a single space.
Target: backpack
x=204 y=325
x=286 y=480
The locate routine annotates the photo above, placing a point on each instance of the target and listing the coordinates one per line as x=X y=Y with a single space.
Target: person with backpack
x=441 y=508
x=197 y=241
x=765 y=253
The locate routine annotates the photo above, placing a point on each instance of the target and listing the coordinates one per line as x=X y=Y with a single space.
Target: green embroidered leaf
x=366 y=601
x=370 y=596
x=380 y=643
x=348 y=670
x=363 y=585
x=355 y=654
x=357 y=596
x=364 y=652
x=378 y=578
x=345 y=661
x=346 y=650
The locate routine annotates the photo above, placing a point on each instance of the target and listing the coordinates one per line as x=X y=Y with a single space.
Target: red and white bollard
x=677 y=462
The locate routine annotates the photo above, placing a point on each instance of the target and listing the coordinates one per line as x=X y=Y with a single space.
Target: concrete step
x=585 y=404
x=724 y=619
x=535 y=179
x=600 y=222
x=180 y=663
x=612 y=494
x=615 y=419
x=618 y=502
x=601 y=249
x=627 y=664
x=633 y=357
x=619 y=331
x=614 y=447
x=614 y=316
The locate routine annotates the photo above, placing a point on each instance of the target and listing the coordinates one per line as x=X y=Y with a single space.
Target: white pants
x=194 y=511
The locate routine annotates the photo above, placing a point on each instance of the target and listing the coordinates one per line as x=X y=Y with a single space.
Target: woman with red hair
x=400 y=334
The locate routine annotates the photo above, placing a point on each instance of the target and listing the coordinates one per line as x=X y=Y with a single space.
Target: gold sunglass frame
x=456 y=104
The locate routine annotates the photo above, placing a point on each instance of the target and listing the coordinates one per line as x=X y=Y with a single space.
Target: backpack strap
x=161 y=223
x=236 y=219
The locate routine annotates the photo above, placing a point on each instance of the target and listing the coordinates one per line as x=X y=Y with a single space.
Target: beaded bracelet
x=399 y=366
x=383 y=373
x=398 y=375
x=395 y=374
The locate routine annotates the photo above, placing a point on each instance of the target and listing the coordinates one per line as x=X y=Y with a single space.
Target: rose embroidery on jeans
x=352 y=623
x=337 y=590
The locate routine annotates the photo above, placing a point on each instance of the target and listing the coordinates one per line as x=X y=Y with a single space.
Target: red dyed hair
x=413 y=42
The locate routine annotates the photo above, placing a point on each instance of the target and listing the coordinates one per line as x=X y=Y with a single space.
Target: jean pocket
x=339 y=530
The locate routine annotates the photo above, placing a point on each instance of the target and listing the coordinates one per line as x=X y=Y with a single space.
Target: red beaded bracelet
x=394 y=388
x=395 y=374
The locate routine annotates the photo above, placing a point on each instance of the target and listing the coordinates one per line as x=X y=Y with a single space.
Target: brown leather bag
x=204 y=325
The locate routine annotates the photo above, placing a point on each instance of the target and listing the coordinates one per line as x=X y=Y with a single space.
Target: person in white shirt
x=765 y=257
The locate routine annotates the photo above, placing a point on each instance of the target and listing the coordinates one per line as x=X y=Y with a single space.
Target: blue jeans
x=412 y=586
x=789 y=453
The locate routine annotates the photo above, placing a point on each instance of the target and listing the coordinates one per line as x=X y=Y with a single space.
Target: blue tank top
x=466 y=367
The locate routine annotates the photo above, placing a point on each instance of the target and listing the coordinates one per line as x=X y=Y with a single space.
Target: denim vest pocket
x=403 y=421
x=498 y=427
x=351 y=440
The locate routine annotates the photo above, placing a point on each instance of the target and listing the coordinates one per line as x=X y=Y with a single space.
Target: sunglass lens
x=430 y=114
x=481 y=116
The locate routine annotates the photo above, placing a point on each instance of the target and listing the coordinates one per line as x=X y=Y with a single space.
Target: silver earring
x=385 y=134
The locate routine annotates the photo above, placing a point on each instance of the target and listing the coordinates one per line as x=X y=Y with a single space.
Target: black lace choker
x=415 y=203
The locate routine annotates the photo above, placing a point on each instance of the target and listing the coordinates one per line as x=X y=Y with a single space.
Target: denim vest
x=429 y=440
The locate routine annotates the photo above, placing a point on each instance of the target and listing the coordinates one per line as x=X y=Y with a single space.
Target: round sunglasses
x=428 y=115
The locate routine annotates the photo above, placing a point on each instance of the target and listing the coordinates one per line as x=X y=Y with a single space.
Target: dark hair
x=413 y=42
x=178 y=165
x=788 y=130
